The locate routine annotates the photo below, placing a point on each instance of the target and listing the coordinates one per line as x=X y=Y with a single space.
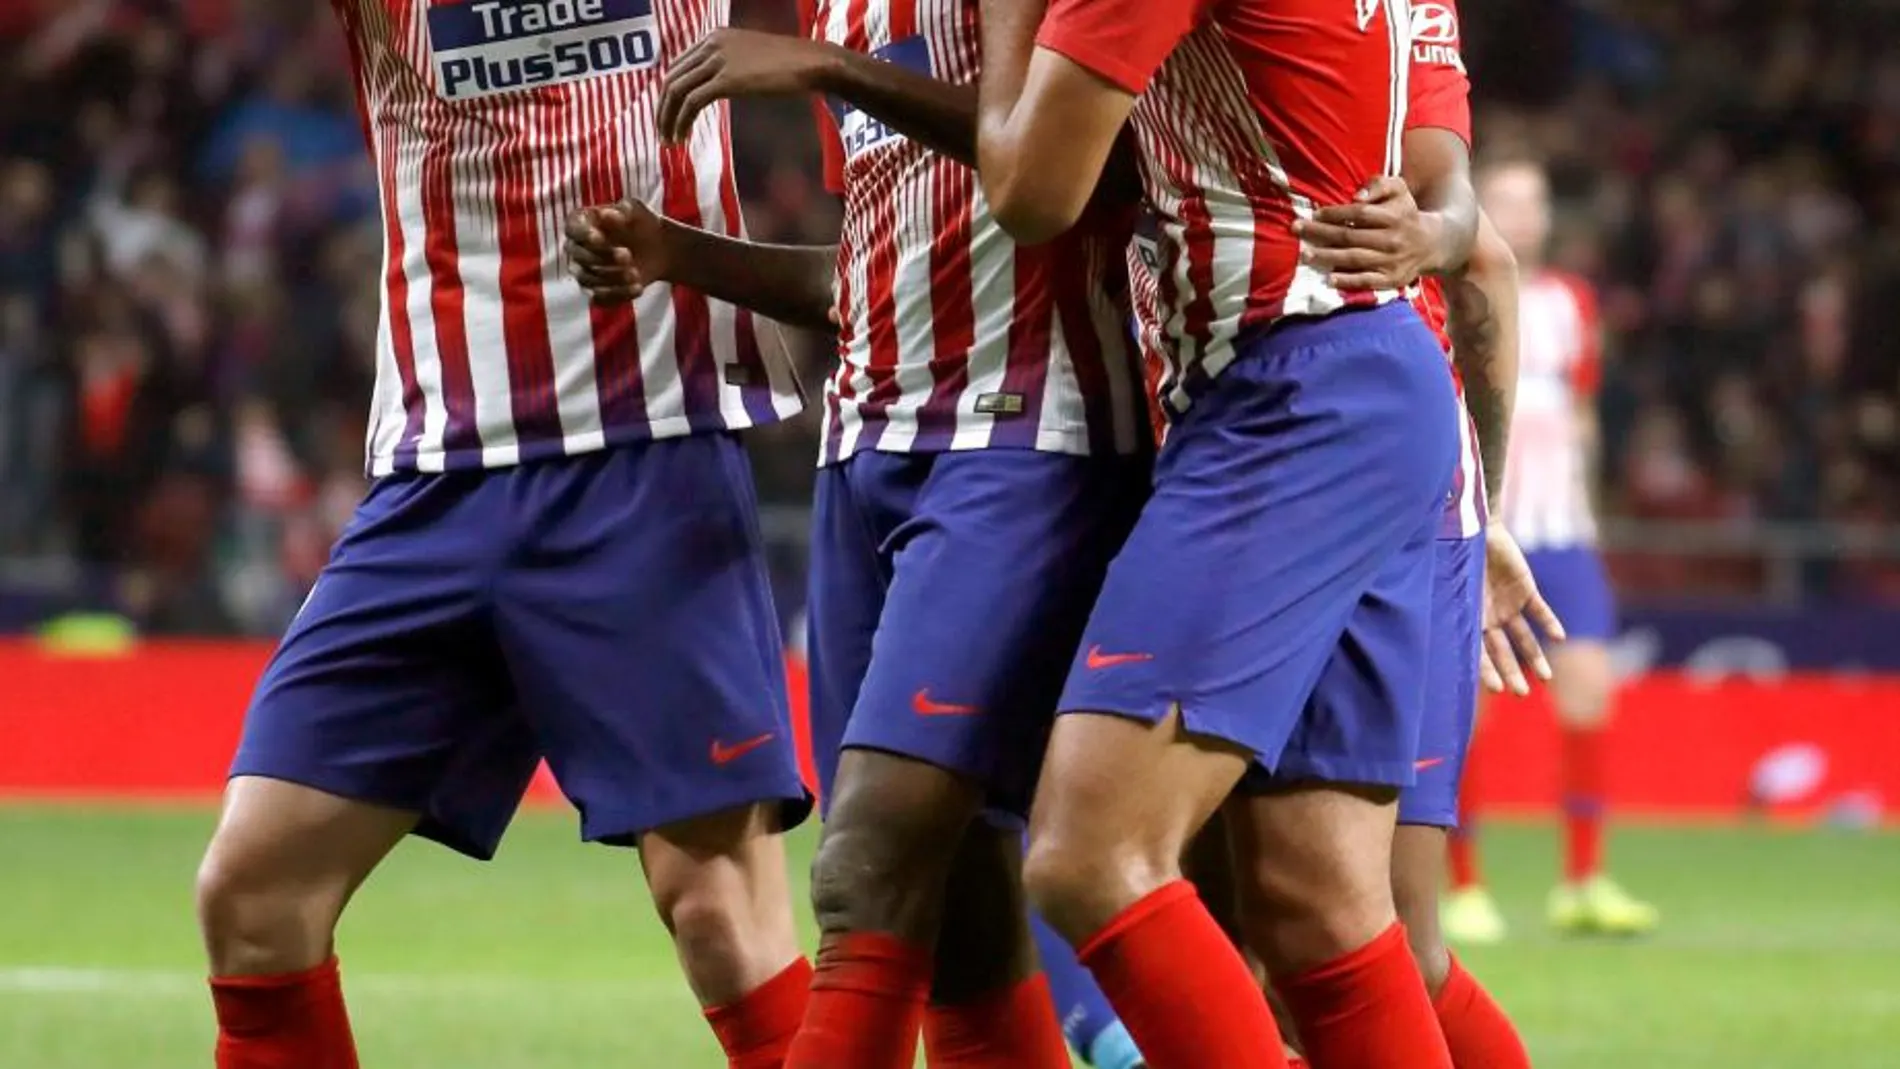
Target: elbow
x=1029 y=211
x=1029 y=220
x=1491 y=258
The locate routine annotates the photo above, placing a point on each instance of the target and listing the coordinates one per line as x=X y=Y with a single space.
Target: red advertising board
x=160 y=721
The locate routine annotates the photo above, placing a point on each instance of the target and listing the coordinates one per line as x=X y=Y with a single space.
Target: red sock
x=1297 y=1063
x=1583 y=803
x=1181 y=987
x=867 y=1003
x=756 y=1031
x=288 y=1021
x=1477 y=1031
x=1012 y=1029
x=1367 y=1010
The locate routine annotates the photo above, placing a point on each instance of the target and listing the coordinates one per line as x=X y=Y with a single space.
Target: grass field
x=1781 y=951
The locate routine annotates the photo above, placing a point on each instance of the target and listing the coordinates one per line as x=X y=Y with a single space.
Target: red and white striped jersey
x=951 y=336
x=1441 y=99
x=489 y=121
x=1248 y=115
x=1546 y=479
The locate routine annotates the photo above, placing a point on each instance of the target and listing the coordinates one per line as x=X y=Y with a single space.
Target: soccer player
x=1382 y=242
x=1267 y=625
x=985 y=453
x=1546 y=504
x=559 y=556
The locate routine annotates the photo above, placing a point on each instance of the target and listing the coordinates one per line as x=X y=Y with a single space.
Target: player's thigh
x=636 y=619
x=1278 y=499
x=847 y=576
x=1572 y=579
x=994 y=574
x=386 y=690
x=1451 y=685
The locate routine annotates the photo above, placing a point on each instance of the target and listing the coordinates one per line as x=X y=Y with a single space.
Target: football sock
x=1011 y=1029
x=1080 y=1005
x=1583 y=803
x=1476 y=1029
x=1367 y=1010
x=287 y=1021
x=1181 y=987
x=756 y=1031
x=866 y=1006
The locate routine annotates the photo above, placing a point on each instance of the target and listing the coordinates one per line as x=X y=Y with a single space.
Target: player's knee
x=1585 y=682
x=257 y=920
x=872 y=876
x=1079 y=886
x=1300 y=916
x=709 y=920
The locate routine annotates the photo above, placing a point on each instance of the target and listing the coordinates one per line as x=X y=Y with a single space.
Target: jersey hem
x=434 y=461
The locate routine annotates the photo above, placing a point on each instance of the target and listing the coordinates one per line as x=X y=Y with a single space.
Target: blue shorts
x=610 y=612
x=948 y=591
x=1278 y=587
x=1573 y=581
x=1451 y=684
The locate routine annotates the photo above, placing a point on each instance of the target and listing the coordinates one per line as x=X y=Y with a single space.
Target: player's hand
x=1381 y=241
x=1511 y=605
x=735 y=63
x=615 y=252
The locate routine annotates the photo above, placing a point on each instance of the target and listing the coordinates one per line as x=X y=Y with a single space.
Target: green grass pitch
x=1781 y=950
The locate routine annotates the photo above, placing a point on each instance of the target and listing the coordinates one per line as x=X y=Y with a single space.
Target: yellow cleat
x=1600 y=906
x=1470 y=916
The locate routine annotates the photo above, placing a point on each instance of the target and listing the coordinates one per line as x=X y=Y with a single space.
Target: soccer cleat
x=1600 y=906
x=1470 y=916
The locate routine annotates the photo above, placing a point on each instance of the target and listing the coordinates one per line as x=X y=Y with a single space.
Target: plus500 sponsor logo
x=490 y=47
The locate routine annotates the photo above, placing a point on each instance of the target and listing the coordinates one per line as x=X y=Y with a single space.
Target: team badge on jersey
x=489 y=47
x=859 y=132
x=1435 y=35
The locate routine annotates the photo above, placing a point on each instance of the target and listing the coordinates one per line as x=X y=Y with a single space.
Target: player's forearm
x=1438 y=171
x=789 y=283
x=1007 y=159
x=1483 y=307
x=936 y=114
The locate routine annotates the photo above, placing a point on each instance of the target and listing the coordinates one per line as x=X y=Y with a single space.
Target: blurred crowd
x=189 y=246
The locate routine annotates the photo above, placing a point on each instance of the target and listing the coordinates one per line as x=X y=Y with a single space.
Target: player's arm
x=615 y=252
x=1059 y=80
x=746 y=63
x=1482 y=300
x=1398 y=229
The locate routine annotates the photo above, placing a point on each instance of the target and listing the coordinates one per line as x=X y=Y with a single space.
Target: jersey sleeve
x=1440 y=88
x=1122 y=41
x=1586 y=374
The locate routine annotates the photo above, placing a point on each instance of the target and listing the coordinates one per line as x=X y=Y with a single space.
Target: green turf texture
x=1780 y=950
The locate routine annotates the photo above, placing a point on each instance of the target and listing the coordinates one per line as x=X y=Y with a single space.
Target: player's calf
x=990 y=1007
x=1316 y=876
x=1418 y=872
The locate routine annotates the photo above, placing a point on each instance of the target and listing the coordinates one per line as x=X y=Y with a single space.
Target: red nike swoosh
x=1429 y=762
x=725 y=755
x=921 y=704
x=1097 y=660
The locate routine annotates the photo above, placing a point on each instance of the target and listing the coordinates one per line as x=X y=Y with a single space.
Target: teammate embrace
x=1275 y=617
